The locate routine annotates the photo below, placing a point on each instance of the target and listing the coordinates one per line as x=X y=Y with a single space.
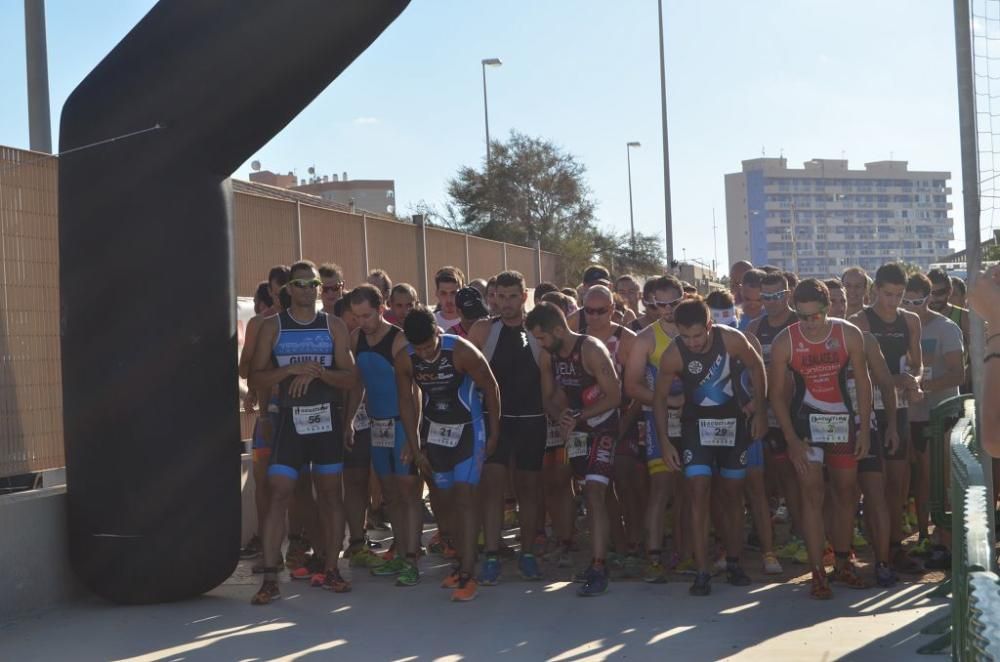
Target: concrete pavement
x=512 y=621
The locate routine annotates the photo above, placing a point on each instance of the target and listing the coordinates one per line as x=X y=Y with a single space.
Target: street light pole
x=39 y=124
x=631 y=215
x=488 y=62
x=666 y=152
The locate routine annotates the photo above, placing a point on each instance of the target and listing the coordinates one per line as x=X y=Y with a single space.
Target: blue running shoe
x=597 y=583
x=490 y=573
x=527 y=567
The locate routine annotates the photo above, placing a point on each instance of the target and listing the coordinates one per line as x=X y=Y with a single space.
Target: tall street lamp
x=631 y=216
x=488 y=62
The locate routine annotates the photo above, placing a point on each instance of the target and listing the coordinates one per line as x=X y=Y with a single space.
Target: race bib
x=577 y=446
x=313 y=419
x=361 y=420
x=717 y=432
x=383 y=433
x=673 y=423
x=442 y=434
x=829 y=428
x=553 y=439
x=877 y=402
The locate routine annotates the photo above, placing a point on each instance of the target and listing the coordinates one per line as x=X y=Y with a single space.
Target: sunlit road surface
x=514 y=620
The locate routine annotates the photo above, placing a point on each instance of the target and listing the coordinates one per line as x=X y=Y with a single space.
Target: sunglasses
x=773 y=296
x=914 y=302
x=809 y=317
x=303 y=284
x=595 y=311
x=332 y=288
x=664 y=304
x=940 y=293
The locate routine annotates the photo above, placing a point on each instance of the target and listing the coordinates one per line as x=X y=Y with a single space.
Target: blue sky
x=806 y=78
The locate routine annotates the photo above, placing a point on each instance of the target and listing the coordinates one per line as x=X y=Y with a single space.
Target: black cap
x=594 y=274
x=470 y=303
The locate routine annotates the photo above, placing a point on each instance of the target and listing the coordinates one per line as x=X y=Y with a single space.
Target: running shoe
x=466 y=589
x=267 y=594
x=435 y=545
x=789 y=550
x=316 y=581
x=390 y=554
x=389 y=568
x=702 y=585
x=297 y=554
x=449 y=552
x=540 y=544
x=820 y=589
x=905 y=565
x=859 y=541
x=828 y=556
x=313 y=566
x=884 y=576
x=632 y=567
x=581 y=577
x=847 y=575
x=251 y=550
x=922 y=548
x=720 y=564
x=735 y=576
x=655 y=573
x=409 y=576
x=527 y=567
x=596 y=584
x=801 y=557
x=335 y=582
x=780 y=515
x=362 y=557
x=451 y=581
x=771 y=564
x=686 y=567
x=490 y=573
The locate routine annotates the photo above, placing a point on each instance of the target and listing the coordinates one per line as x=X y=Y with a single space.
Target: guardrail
x=973 y=627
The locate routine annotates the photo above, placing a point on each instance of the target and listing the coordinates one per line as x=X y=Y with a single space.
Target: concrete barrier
x=34 y=564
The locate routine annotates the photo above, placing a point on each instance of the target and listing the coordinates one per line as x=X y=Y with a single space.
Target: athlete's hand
x=671 y=456
x=310 y=368
x=567 y=423
x=908 y=382
x=250 y=401
x=410 y=455
x=299 y=385
x=758 y=425
x=798 y=455
x=348 y=438
x=864 y=443
x=914 y=394
x=892 y=439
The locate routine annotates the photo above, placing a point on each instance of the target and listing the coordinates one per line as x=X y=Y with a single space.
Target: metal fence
x=972 y=629
x=269 y=229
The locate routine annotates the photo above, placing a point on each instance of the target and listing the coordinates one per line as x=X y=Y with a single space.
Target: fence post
x=468 y=266
x=418 y=220
x=298 y=227
x=364 y=236
x=538 y=261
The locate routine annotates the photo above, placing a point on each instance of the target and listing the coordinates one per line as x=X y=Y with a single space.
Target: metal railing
x=973 y=626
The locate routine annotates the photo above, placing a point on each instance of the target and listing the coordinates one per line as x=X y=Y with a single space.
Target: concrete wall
x=34 y=563
x=34 y=566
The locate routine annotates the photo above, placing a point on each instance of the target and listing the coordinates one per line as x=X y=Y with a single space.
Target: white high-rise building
x=823 y=218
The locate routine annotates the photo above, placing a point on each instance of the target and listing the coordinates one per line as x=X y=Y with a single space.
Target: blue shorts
x=389 y=461
x=295 y=452
x=755 y=455
x=461 y=464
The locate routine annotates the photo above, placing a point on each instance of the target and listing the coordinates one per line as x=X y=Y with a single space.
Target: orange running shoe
x=449 y=552
x=451 y=581
x=467 y=590
x=847 y=575
x=335 y=582
x=828 y=557
x=267 y=594
x=820 y=586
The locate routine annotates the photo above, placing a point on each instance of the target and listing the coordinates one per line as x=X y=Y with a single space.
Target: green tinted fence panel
x=983 y=640
x=943 y=417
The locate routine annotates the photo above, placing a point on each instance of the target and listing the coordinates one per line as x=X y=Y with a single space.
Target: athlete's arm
x=345 y=375
x=264 y=375
x=862 y=384
x=915 y=353
x=669 y=368
x=353 y=400
x=249 y=345
x=480 y=333
x=625 y=345
x=882 y=380
x=597 y=361
x=469 y=360
x=954 y=365
x=739 y=347
x=779 y=398
x=635 y=367
x=407 y=411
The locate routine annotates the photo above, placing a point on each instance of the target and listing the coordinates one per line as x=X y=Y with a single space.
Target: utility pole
x=39 y=123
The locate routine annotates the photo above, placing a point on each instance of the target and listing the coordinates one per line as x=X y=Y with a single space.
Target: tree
x=530 y=190
x=615 y=250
